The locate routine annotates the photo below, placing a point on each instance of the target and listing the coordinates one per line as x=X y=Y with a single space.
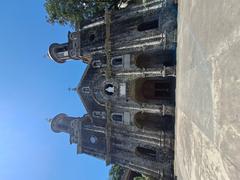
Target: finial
x=72 y=89
x=47 y=56
x=49 y=120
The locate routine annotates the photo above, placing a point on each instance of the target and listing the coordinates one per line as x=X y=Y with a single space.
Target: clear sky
x=33 y=89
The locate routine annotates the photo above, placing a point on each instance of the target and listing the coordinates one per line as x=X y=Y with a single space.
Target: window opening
x=92 y=37
x=86 y=90
x=97 y=64
x=109 y=89
x=117 y=61
x=99 y=114
x=148 y=25
x=117 y=117
x=146 y=152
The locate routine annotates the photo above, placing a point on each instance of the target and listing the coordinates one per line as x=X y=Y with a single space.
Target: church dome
x=58 y=52
x=60 y=123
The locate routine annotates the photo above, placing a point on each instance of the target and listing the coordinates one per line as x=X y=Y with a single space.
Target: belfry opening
x=59 y=52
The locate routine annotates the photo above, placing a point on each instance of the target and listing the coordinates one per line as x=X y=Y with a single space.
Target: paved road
x=208 y=90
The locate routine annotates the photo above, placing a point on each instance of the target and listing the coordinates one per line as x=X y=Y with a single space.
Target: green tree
x=139 y=178
x=116 y=172
x=72 y=12
x=143 y=177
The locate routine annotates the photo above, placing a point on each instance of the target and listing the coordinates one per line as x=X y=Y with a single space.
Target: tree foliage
x=74 y=11
x=116 y=172
x=139 y=178
x=144 y=178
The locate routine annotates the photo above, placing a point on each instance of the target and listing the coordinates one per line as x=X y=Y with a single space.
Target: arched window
x=155 y=59
x=109 y=89
x=96 y=64
x=73 y=139
x=155 y=91
x=73 y=35
x=117 y=117
x=148 y=25
x=146 y=153
x=86 y=90
x=99 y=114
x=117 y=61
x=92 y=37
x=154 y=122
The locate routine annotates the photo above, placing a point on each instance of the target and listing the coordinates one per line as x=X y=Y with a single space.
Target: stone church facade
x=128 y=87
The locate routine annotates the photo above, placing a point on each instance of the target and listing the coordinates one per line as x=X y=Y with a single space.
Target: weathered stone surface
x=128 y=88
x=208 y=86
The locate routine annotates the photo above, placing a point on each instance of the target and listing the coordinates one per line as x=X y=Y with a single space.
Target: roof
x=91 y=81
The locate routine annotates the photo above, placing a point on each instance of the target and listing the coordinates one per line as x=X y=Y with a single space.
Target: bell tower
x=60 y=53
x=89 y=138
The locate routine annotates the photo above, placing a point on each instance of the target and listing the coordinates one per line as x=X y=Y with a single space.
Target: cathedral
x=128 y=87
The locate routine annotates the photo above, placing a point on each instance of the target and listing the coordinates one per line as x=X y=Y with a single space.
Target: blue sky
x=32 y=89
